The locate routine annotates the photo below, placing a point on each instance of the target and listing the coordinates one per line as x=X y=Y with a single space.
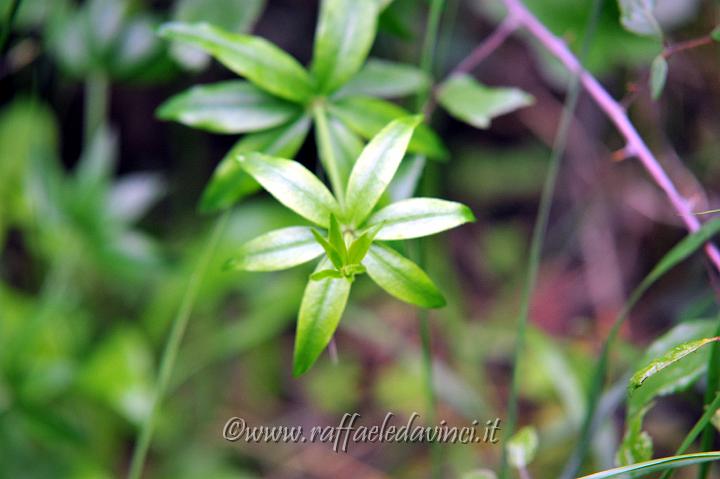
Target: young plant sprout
x=351 y=243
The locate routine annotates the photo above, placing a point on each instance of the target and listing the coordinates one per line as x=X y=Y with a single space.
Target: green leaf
x=656 y=465
x=418 y=217
x=637 y=445
x=479 y=474
x=637 y=17
x=367 y=116
x=522 y=447
x=376 y=166
x=658 y=76
x=338 y=148
x=292 y=185
x=715 y=34
x=332 y=253
x=477 y=104
x=345 y=33
x=276 y=250
x=228 y=107
x=401 y=277
x=326 y=273
x=231 y=15
x=230 y=183
x=386 y=79
x=322 y=307
x=360 y=247
x=675 y=354
x=258 y=60
x=335 y=236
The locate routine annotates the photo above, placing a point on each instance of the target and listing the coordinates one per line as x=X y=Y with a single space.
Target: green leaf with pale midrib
x=401 y=277
x=417 y=217
x=675 y=354
x=345 y=32
x=292 y=185
x=322 y=307
x=228 y=107
x=258 y=60
x=375 y=168
x=276 y=250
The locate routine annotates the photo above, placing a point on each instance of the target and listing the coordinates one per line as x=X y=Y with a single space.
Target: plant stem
x=539 y=231
x=617 y=115
x=487 y=46
x=428 y=49
x=97 y=90
x=172 y=346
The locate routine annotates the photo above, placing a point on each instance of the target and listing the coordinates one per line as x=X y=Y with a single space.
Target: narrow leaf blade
x=322 y=307
x=345 y=33
x=656 y=465
x=276 y=250
x=292 y=185
x=401 y=277
x=258 y=60
x=522 y=447
x=386 y=79
x=417 y=217
x=674 y=355
x=376 y=167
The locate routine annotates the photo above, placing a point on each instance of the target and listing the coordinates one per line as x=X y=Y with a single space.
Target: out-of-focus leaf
x=405 y=181
x=479 y=474
x=230 y=183
x=417 y=217
x=401 y=277
x=276 y=250
x=477 y=104
x=637 y=16
x=345 y=33
x=366 y=116
x=228 y=107
x=292 y=185
x=715 y=34
x=672 y=356
x=658 y=76
x=132 y=195
x=637 y=445
x=338 y=148
x=376 y=166
x=322 y=307
x=385 y=79
x=120 y=372
x=232 y=15
x=656 y=465
x=522 y=447
x=258 y=60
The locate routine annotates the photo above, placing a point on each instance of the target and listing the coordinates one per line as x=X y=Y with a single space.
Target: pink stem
x=487 y=47
x=616 y=114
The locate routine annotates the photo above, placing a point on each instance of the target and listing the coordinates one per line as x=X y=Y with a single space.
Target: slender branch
x=172 y=346
x=615 y=113
x=671 y=50
x=487 y=46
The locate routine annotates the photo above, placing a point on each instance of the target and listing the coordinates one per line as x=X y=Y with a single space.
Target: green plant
x=353 y=231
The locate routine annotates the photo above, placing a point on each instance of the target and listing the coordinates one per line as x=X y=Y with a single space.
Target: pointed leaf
x=376 y=167
x=330 y=250
x=477 y=104
x=228 y=107
x=230 y=183
x=418 y=217
x=258 y=60
x=674 y=355
x=658 y=76
x=292 y=185
x=367 y=116
x=276 y=250
x=322 y=307
x=386 y=79
x=361 y=245
x=335 y=237
x=401 y=277
x=345 y=33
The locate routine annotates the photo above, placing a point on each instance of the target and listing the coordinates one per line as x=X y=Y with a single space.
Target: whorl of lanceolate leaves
x=279 y=99
x=350 y=246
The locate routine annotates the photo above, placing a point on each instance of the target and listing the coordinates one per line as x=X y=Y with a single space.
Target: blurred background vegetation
x=99 y=233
